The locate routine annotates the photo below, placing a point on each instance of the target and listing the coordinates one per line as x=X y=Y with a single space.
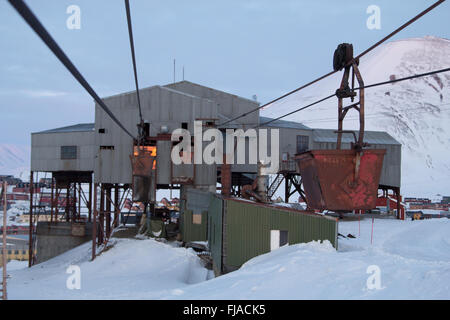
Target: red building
x=390 y=203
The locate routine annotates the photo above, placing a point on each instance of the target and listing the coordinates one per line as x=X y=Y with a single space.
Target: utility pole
x=4 y=251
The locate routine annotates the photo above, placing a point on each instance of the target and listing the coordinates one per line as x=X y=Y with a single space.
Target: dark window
x=106 y=147
x=302 y=143
x=68 y=152
x=147 y=129
x=102 y=130
x=184 y=125
x=16 y=252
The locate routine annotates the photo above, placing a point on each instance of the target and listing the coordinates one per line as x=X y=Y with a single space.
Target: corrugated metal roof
x=282 y=124
x=81 y=127
x=375 y=137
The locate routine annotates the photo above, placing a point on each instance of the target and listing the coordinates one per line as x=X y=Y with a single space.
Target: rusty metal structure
x=343 y=180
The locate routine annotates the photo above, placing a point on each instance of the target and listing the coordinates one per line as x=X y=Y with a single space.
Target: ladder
x=274 y=186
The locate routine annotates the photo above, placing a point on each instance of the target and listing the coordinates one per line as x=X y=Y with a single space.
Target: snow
x=132 y=269
x=412 y=256
x=15 y=265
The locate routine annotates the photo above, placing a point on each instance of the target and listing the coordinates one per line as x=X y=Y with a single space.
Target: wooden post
x=57 y=193
x=4 y=250
x=30 y=234
x=108 y=210
x=52 y=202
x=90 y=203
x=79 y=200
x=116 y=207
x=67 y=202
x=101 y=219
x=94 y=222
x=287 y=188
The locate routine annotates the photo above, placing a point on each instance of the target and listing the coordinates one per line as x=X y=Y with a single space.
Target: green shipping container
x=194 y=215
x=239 y=230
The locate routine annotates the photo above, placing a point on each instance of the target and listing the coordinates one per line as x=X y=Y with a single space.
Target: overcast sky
x=262 y=48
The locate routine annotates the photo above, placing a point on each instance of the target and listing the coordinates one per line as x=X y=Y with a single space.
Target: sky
x=262 y=48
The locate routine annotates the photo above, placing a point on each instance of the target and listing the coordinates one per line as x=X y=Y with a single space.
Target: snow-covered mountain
x=415 y=112
x=15 y=160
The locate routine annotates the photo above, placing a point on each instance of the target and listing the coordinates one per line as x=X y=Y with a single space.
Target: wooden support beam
x=94 y=223
x=30 y=234
x=90 y=203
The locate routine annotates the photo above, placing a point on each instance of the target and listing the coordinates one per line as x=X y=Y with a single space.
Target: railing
x=288 y=166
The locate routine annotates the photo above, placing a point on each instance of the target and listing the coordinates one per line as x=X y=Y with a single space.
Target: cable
x=403 y=79
x=130 y=33
x=376 y=115
x=333 y=72
x=297 y=110
x=368 y=86
x=36 y=25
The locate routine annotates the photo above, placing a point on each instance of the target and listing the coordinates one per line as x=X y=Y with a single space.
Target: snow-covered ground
x=413 y=258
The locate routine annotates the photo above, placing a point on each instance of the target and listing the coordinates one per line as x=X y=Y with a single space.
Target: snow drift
x=412 y=256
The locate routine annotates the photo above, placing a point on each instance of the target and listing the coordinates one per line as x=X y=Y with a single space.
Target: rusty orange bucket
x=341 y=180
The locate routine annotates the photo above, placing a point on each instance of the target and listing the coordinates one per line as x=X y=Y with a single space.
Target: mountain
x=415 y=112
x=15 y=160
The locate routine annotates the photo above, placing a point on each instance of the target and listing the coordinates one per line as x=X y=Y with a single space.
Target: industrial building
x=98 y=155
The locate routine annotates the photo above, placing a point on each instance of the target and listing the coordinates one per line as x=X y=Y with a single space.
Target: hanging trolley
x=343 y=180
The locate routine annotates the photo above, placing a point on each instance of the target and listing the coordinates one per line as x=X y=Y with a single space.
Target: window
x=184 y=125
x=302 y=143
x=196 y=218
x=106 y=147
x=102 y=130
x=146 y=129
x=278 y=238
x=68 y=152
x=16 y=251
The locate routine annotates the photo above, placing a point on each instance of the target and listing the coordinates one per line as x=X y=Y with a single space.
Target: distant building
x=10 y=179
x=17 y=248
x=445 y=200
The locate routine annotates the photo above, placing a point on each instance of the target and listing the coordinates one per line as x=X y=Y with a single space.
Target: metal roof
x=375 y=137
x=282 y=124
x=81 y=127
x=202 y=86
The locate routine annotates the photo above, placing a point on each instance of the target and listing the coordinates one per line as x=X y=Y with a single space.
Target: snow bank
x=412 y=256
x=132 y=269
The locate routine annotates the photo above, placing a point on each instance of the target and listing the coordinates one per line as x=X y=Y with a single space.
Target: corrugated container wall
x=246 y=230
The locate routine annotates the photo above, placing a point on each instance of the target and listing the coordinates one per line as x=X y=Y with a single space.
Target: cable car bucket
x=143 y=163
x=343 y=180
